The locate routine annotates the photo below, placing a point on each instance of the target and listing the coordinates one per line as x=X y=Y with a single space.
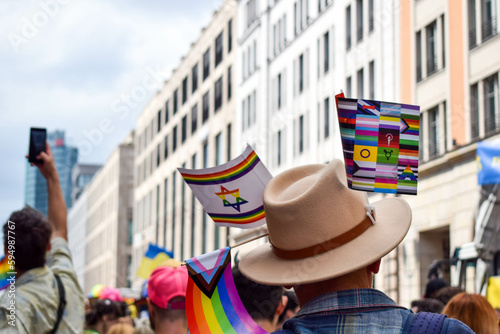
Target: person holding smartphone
x=46 y=296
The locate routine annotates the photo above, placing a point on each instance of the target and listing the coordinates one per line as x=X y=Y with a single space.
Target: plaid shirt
x=354 y=311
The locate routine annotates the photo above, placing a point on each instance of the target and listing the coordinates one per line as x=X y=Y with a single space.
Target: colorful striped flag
x=4 y=273
x=212 y=301
x=380 y=141
x=231 y=193
x=155 y=256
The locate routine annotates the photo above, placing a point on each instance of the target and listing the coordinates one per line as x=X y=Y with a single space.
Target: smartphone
x=38 y=137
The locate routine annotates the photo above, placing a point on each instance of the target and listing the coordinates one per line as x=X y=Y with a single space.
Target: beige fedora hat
x=321 y=229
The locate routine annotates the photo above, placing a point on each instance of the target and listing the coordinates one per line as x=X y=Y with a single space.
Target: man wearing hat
x=167 y=300
x=326 y=241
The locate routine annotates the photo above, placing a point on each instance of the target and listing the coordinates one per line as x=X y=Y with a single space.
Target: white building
x=188 y=123
x=77 y=227
x=108 y=232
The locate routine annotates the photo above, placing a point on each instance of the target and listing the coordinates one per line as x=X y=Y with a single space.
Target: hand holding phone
x=38 y=137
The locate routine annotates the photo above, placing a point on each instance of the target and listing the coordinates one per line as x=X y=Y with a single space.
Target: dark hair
x=433 y=286
x=260 y=301
x=428 y=305
x=100 y=308
x=32 y=237
x=448 y=292
x=290 y=305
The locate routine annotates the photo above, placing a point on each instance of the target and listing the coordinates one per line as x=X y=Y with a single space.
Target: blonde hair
x=474 y=311
x=121 y=329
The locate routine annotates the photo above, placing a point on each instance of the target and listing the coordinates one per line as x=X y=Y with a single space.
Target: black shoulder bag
x=62 y=303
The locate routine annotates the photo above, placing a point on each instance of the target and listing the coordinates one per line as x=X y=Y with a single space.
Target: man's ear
x=281 y=306
x=375 y=266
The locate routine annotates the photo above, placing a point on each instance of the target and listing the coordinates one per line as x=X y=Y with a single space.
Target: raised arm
x=57 y=206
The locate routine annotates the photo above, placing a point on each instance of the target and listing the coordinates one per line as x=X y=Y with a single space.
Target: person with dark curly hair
x=103 y=314
x=48 y=298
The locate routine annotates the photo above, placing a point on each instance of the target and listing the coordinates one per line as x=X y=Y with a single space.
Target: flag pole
x=241 y=243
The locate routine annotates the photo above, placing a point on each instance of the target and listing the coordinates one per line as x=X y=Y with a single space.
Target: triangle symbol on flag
x=207 y=269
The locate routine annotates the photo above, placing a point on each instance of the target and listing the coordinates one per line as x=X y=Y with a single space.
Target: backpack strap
x=425 y=323
x=62 y=303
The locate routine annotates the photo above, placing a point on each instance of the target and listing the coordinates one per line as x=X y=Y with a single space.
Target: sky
x=75 y=65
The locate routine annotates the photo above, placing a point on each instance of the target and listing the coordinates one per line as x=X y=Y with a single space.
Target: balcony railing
x=488 y=29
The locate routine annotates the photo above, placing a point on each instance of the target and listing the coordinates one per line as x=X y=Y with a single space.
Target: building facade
x=77 y=229
x=81 y=176
x=108 y=230
x=449 y=66
x=65 y=157
x=188 y=123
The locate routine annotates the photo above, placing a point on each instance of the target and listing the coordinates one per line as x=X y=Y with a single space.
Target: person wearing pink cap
x=167 y=300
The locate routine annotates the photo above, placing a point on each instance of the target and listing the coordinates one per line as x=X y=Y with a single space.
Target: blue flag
x=488 y=161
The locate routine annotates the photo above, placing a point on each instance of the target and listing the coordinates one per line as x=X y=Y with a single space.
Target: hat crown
x=309 y=205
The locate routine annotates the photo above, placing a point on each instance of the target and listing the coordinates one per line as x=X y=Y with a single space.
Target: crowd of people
x=315 y=275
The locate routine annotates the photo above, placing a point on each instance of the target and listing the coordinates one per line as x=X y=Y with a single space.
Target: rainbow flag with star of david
x=380 y=141
x=231 y=193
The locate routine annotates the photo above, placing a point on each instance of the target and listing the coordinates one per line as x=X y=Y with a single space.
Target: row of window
x=185 y=90
x=483 y=21
x=249 y=111
x=360 y=30
x=144 y=207
x=360 y=83
x=249 y=60
x=430 y=48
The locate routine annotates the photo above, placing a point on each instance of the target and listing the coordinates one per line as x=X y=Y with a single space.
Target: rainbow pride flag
x=231 y=193
x=212 y=301
x=4 y=270
x=155 y=256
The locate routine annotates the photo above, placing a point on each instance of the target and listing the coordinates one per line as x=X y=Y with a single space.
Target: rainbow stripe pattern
x=4 y=273
x=231 y=193
x=380 y=141
x=212 y=301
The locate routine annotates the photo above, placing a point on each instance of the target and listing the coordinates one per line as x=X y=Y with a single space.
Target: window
x=243 y=111
x=176 y=93
x=157 y=211
x=184 y=90
x=371 y=79
x=165 y=148
x=184 y=129
x=206 y=64
x=301 y=133
x=204 y=215
x=173 y=210
x=279 y=91
x=474 y=111
x=205 y=107
x=348 y=27
x=194 y=118
x=327 y=117
x=251 y=11
x=218 y=49
x=295 y=20
x=275 y=40
x=167 y=110
x=229 y=132
x=488 y=18
x=193 y=211
x=152 y=131
x=430 y=32
x=229 y=81
x=218 y=95
x=472 y=23
x=254 y=106
x=158 y=122
x=359 y=15
x=370 y=15
x=229 y=36
x=158 y=156
x=326 y=51
x=174 y=139
x=419 y=55
x=348 y=87
x=491 y=117
x=279 y=148
x=360 y=83
x=194 y=78
x=183 y=213
x=165 y=194
x=301 y=73
x=218 y=149
x=249 y=112
x=433 y=129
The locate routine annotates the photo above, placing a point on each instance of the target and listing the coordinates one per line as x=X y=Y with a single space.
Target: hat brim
x=393 y=218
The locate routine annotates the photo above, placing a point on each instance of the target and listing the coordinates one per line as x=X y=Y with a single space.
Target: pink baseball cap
x=166 y=283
